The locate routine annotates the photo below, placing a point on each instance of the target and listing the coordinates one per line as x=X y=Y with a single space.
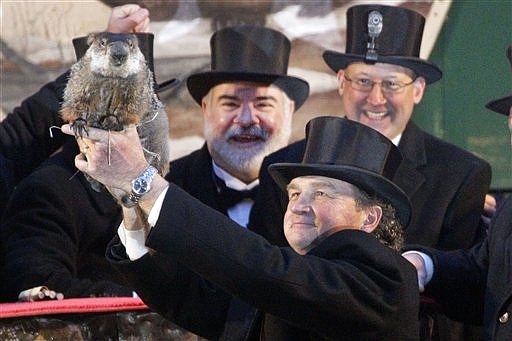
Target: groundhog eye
x=103 y=42
x=130 y=42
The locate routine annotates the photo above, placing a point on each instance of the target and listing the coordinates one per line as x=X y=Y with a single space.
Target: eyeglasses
x=386 y=86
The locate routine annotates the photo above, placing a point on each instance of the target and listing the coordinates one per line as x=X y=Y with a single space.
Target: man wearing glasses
x=380 y=80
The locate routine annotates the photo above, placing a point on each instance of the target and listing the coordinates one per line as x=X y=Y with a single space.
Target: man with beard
x=248 y=102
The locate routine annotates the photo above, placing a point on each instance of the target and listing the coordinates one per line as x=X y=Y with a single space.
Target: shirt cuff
x=429 y=264
x=133 y=241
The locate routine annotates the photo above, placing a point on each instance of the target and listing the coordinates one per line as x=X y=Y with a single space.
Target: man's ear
x=339 y=77
x=372 y=220
x=419 y=89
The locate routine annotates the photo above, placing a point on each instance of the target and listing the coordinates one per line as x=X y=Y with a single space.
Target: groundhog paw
x=79 y=127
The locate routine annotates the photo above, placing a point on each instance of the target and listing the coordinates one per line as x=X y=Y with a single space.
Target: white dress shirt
x=241 y=211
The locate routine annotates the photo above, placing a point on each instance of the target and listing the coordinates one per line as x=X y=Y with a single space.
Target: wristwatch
x=140 y=186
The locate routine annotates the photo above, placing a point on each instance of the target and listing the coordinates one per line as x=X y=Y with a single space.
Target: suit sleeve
x=459 y=281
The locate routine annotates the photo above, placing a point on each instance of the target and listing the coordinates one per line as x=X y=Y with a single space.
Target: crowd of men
x=251 y=237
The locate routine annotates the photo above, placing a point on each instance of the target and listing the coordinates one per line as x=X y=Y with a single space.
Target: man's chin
x=245 y=161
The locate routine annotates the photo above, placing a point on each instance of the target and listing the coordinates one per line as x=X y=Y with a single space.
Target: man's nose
x=376 y=96
x=300 y=205
x=247 y=116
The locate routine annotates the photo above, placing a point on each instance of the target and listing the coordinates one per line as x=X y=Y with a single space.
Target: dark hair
x=389 y=231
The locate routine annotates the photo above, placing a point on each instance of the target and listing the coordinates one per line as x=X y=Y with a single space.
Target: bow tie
x=229 y=197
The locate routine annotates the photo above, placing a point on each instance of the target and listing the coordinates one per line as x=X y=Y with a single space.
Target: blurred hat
x=249 y=53
x=502 y=105
x=384 y=34
x=145 y=41
x=352 y=152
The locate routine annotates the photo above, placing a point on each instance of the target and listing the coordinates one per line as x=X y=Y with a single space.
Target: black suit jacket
x=350 y=287
x=446 y=186
x=476 y=285
x=194 y=174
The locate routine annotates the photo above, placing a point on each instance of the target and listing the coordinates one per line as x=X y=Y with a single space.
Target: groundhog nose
x=118 y=58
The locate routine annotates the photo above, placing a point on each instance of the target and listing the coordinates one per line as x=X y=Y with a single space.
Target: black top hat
x=249 y=53
x=350 y=151
x=384 y=34
x=146 y=47
x=502 y=105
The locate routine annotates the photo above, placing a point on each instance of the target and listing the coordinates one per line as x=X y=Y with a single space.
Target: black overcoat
x=446 y=185
x=55 y=231
x=350 y=287
x=25 y=139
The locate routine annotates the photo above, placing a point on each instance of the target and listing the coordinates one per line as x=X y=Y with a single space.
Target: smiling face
x=320 y=206
x=387 y=113
x=244 y=122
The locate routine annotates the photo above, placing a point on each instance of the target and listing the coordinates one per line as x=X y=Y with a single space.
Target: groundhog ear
x=90 y=38
x=81 y=44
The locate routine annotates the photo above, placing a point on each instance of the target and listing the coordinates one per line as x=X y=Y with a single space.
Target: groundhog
x=111 y=87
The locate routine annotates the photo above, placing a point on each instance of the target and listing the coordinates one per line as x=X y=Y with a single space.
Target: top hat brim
x=370 y=182
x=199 y=84
x=166 y=85
x=501 y=105
x=430 y=72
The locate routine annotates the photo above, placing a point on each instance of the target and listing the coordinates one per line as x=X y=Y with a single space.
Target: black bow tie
x=229 y=197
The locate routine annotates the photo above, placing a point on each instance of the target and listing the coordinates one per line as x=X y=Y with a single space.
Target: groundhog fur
x=111 y=87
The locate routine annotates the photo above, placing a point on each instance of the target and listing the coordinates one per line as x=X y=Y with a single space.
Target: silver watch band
x=132 y=199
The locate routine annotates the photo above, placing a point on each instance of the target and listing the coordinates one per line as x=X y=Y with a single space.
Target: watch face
x=140 y=186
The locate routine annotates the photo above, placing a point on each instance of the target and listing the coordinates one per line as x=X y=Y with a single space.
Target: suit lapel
x=196 y=177
x=412 y=146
